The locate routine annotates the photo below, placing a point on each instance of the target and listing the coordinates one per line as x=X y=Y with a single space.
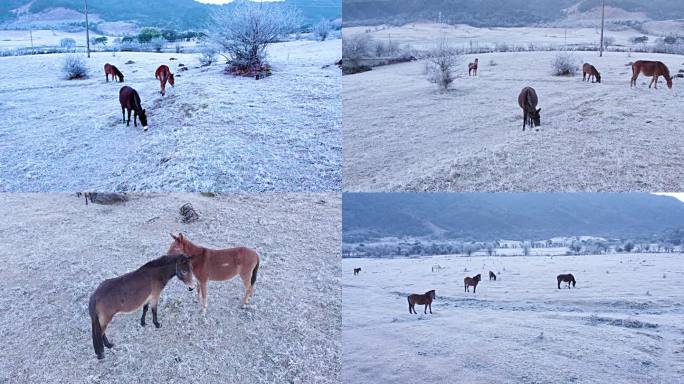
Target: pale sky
x=679 y=195
x=226 y=1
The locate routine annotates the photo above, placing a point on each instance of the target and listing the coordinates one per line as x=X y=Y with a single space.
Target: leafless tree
x=443 y=60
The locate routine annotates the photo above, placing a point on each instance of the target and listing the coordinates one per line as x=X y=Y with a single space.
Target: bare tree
x=443 y=60
x=322 y=29
x=355 y=48
x=243 y=32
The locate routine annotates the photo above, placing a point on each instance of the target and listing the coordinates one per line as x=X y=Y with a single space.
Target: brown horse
x=472 y=67
x=468 y=281
x=163 y=73
x=129 y=292
x=114 y=71
x=492 y=276
x=527 y=100
x=589 y=71
x=650 y=68
x=356 y=271
x=130 y=100
x=568 y=278
x=218 y=265
x=424 y=299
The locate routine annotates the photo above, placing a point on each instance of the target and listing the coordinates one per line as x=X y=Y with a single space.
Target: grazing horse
x=163 y=73
x=468 y=281
x=569 y=278
x=492 y=276
x=424 y=299
x=129 y=292
x=130 y=100
x=356 y=271
x=472 y=67
x=589 y=71
x=527 y=100
x=650 y=68
x=218 y=265
x=114 y=71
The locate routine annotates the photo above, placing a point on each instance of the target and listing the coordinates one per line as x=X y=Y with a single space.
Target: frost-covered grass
x=57 y=250
x=621 y=324
x=211 y=132
x=401 y=134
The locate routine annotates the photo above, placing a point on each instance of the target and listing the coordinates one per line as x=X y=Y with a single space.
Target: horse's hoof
x=142 y=323
x=100 y=356
x=110 y=345
x=158 y=325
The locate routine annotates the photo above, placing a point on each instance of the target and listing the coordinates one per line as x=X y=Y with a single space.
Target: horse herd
x=527 y=99
x=142 y=287
x=427 y=297
x=129 y=97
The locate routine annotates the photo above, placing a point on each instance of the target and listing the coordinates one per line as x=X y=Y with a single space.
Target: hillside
x=488 y=216
x=176 y=14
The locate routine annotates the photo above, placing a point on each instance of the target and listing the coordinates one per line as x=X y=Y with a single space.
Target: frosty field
x=212 y=132
x=621 y=324
x=57 y=251
x=402 y=134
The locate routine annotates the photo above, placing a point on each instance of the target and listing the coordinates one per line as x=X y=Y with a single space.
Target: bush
x=158 y=44
x=75 y=67
x=244 y=31
x=146 y=35
x=565 y=64
x=354 y=49
x=207 y=55
x=322 y=29
x=67 y=43
x=443 y=60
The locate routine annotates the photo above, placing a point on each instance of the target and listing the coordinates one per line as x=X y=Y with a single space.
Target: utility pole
x=87 y=29
x=603 y=13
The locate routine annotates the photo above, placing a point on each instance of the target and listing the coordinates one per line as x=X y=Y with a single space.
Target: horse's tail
x=254 y=273
x=98 y=342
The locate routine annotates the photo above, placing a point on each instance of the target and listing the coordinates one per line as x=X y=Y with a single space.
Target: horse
x=424 y=299
x=163 y=73
x=356 y=271
x=589 y=71
x=527 y=100
x=472 y=67
x=129 y=292
x=568 y=278
x=130 y=100
x=114 y=71
x=468 y=281
x=492 y=276
x=218 y=265
x=650 y=68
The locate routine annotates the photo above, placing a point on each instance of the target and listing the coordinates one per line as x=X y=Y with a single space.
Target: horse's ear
x=174 y=237
x=538 y=110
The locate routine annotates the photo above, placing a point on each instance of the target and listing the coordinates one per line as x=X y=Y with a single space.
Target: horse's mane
x=161 y=261
x=118 y=73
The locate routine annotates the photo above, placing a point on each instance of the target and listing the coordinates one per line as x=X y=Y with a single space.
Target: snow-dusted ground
x=57 y=251
x=401 y=133
x=212 y=132
x=623 y=323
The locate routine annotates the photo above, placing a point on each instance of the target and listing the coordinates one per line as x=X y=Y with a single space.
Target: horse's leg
x=155 y=302
x=650 y=84
x=135 y=118
x=524 y=119
x=656 y=81
x=203 y=286
x=128 y=122
x=106 y=341
x=246 y=280
x=123 y=114
x=425 y=309
x=142 y=319
x=474 y=288
x=430 y=304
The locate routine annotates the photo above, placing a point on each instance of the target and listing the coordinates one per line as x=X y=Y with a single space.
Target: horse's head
x=669 y=81
x=536 y=119
x=121 y=77
x=432 y=294
x=478 y=277
x=178 y=245
x=143 y=119
x=184 y=271
x=598 y=77
x=171 y=80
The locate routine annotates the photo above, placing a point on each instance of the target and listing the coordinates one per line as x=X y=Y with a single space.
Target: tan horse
x=424 y=299
x=218 y=265
x=471 y=281
x=472 y=68
x=133 y=290
x=650 y=68
x=589 y=72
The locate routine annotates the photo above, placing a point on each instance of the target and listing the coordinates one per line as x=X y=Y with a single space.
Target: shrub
x=322 y=29
x=207 y=55
x=354 y=49
x=443 y=60
x=67 y=43
x=565 y=64
x=158 y=44
x=75 y=67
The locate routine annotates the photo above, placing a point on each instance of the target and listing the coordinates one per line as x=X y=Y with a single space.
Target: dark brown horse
x=218 y=265
x=650 y=68
x=130 y=101
x=492 y=276
x=163 y=73
x=527 y=100
x=589 y=71
x=468 y=281
x=472 y=68
x=567 y=278
x=356 y=271
x=424 y=299
x=114 y=71
x=133 y=290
